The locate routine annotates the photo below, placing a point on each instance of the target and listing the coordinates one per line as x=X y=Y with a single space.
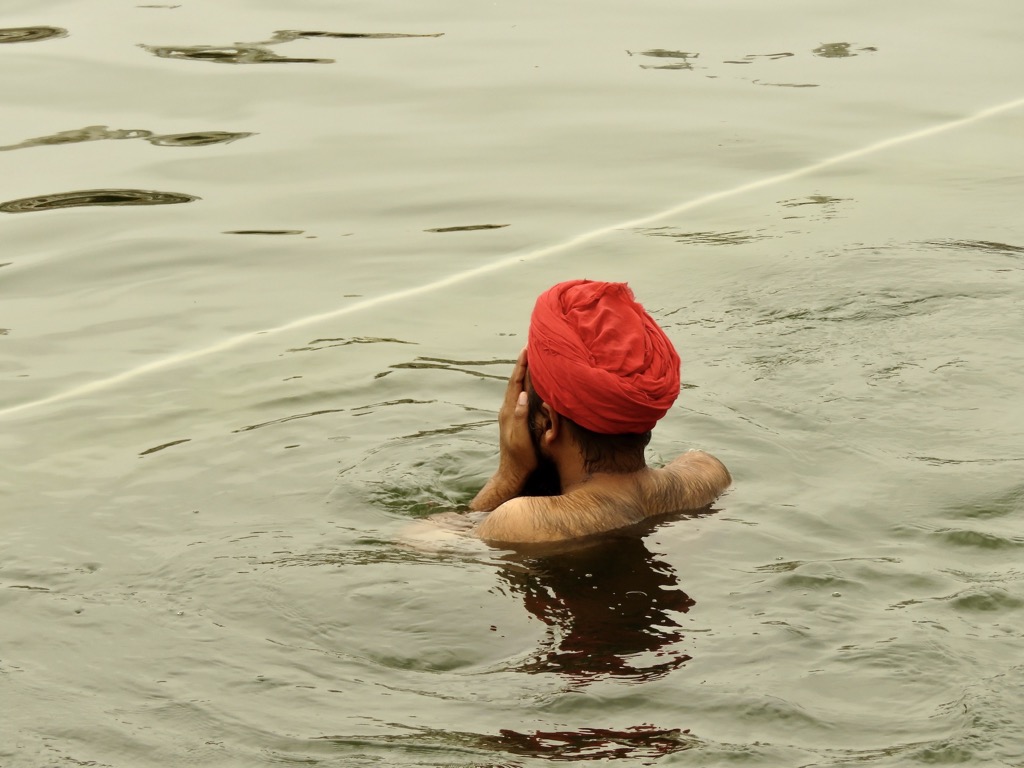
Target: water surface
x=203 y=560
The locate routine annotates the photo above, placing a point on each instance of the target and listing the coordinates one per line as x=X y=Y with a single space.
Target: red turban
x=598 y=358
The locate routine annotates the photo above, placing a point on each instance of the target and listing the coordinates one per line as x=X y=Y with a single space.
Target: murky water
x=219 y=417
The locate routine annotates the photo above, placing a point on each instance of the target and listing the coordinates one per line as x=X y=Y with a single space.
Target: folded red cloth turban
x=597 y=357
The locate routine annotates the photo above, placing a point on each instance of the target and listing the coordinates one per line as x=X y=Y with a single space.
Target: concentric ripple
x=94 y=197
x=30 y=34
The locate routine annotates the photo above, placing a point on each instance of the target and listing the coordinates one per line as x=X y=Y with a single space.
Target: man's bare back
x=606 y=502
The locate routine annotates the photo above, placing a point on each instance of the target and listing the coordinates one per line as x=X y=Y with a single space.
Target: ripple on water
x=987 y=599
x=730 y=238
x=987 y=246
x=89 y=197
x=641 y=742
x=978 y=539
x=840 y=50
x=30 y=34
x=988 y=733
x=678 y=59
x=259 y=52
x=197 y=139
x=232 y=54
x=815 y=575
x=999 y=505
x=104 y=133
x=264 y=232
x=466 y=228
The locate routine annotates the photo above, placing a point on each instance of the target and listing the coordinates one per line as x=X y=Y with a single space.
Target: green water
x=219 y=418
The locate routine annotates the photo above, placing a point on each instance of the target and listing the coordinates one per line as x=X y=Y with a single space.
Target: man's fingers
x=521 y=406
x=519 y=372
x=516 y=382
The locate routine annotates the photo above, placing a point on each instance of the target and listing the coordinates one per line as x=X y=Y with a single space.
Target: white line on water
x=508 y=261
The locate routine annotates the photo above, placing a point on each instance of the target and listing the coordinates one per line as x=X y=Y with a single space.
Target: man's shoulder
x=546 y=519
x=690 y=482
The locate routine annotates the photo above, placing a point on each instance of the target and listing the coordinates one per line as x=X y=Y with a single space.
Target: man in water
x=595 y=377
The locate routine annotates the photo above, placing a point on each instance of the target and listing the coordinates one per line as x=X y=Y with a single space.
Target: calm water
x=202 y=560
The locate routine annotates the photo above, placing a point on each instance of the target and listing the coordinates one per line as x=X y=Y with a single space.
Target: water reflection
x=466 y=228
x=162 y=446
x=265 y=232
x=102 y=133
x=232 y=54
x=641 y=742
x=637 y=743
x=730 y=238
x=318 y=344
x=259 y=52
x=785 y=85
x=839 y=50
x=612 y=609
x=824 y=206
x=287 y=35
x=198 y=139
x=977 y=245
x=682 y=59
x=30 y=34
x=751 y=57
x=685 y=60
x=441 y=364
x=102 y=197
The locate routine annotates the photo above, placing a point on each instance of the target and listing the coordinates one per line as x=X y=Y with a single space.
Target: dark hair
x=601 y=453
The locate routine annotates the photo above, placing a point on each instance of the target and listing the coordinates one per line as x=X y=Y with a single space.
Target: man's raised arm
x=517 y=457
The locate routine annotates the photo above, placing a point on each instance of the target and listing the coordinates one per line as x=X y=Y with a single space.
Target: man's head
x=599 y=360
x=600 y=453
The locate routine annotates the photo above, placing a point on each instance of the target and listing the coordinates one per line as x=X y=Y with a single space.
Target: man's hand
x=517 y=455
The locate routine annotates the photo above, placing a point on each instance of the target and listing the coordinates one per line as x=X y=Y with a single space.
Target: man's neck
x=576 y=477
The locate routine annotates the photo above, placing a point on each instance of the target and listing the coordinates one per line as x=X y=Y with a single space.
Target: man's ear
x=552 y=424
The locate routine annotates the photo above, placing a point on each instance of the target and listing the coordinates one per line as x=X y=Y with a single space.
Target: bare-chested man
x=595 y=377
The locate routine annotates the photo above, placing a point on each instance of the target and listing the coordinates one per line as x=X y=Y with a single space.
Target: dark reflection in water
x=158 y=448
x=637 y=743
x=94 y=197
x=259 y=52
x=103 y=133
x=683 y=59
x=284 y=419
x=977 y=245
x=422 y=363
x=30 y=34
x=264 y=232
x=824 y=207
x=750 y=58
x=612 y=608
x=641 y=742
x=466 y=228
x=731 y=238
x=233 y=54
x=198 y=139
x=287 y=35
x=839 y=50
x=786 y=85
x=318 y=344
